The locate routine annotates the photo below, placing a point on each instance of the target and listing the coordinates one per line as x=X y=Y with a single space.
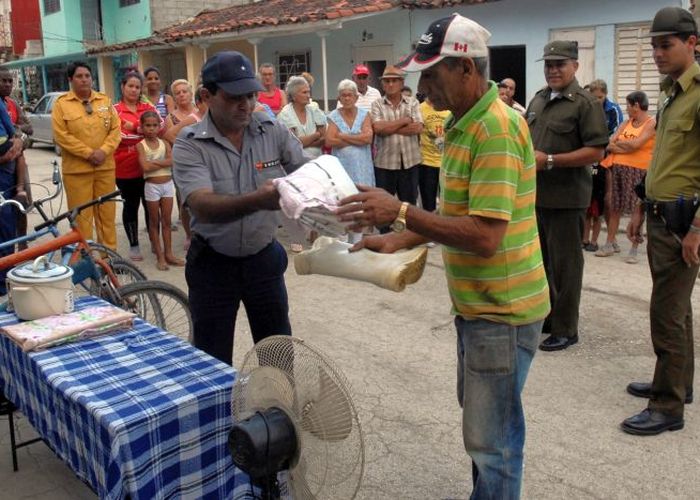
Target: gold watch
x=399 y=223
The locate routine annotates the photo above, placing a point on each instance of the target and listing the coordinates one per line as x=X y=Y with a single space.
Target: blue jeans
x=217 y=286
x=493 y=362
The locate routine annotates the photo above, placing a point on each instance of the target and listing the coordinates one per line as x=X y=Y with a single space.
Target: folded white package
x=311 y=194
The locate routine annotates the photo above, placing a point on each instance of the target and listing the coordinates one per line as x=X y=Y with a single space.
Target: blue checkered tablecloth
x=139 y=414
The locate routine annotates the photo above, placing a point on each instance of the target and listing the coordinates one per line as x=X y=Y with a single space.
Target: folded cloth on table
x=312 y=192
x=61 y=328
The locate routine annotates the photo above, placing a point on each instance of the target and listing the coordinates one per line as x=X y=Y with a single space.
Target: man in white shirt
x=366 y=94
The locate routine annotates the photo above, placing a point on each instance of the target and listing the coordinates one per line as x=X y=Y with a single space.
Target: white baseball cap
x=454 y=36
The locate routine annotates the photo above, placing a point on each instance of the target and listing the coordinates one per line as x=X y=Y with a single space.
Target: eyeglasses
x=88 y=107
x=362 y=77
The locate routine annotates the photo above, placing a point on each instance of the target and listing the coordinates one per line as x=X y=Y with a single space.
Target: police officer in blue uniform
x=224 y=168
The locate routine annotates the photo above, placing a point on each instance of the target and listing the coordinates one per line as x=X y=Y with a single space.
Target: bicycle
x=124 y=270
x=157 y=302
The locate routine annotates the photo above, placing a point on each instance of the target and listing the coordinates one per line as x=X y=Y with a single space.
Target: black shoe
x=556 y=343
x=651 y=423
x=643 y=390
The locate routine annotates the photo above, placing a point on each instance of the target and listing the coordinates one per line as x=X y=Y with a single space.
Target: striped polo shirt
x=488 y=170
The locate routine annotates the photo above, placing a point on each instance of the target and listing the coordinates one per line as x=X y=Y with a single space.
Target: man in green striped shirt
x=491 y=247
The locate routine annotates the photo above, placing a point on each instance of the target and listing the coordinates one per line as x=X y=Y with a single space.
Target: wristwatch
x=399 y=223
x=550 y=162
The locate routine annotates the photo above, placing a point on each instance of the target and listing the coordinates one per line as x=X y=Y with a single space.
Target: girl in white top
x=155 y=158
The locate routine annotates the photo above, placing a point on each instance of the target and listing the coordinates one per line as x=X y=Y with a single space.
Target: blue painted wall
x=63 y=30
x=511 y=22
x=122 y=24
x=61 y=33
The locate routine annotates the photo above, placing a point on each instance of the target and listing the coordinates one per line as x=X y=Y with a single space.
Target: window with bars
x=294 y=64
x=126 y=3
x=51 y=6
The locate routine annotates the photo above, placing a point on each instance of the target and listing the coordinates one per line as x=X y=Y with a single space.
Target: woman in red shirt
x=128 y=171
x=272 y=95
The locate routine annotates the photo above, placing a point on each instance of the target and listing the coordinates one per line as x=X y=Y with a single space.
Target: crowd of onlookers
x=628 y=156
x=386 y=138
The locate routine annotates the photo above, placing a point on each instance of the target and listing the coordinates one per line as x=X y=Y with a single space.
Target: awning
x=43 y=61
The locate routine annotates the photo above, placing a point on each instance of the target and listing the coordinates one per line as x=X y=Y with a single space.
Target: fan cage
x=290 y=374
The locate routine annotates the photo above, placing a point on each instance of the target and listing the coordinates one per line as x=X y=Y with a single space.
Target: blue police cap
x=232 y=72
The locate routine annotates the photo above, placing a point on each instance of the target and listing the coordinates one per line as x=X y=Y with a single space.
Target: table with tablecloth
x=139 y=414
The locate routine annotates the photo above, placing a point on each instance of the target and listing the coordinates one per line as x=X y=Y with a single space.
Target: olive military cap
x=672 y=21
x=560 y=50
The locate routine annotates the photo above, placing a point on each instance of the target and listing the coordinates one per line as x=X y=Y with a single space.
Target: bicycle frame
x=78 y=259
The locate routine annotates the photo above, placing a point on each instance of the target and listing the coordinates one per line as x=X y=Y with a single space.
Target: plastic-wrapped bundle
x=311 y=194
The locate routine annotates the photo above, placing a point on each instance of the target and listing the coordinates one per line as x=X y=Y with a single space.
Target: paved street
x=398 y=351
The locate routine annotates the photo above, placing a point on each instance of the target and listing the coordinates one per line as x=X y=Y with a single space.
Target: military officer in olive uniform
x=672 y=207
x=569 y=133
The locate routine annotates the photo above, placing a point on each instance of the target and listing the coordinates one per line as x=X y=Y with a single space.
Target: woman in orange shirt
x=630 y=151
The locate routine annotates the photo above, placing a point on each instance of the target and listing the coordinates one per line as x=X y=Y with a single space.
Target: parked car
x=40 y=117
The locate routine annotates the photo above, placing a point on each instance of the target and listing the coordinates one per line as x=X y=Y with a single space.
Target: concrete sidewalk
x=398 y=351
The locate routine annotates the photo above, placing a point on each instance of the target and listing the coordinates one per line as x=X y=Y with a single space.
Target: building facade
x=327 y=40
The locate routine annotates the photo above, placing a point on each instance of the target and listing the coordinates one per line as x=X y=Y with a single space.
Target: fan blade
x=328 y=416
x=298 y=484
x=263 y=388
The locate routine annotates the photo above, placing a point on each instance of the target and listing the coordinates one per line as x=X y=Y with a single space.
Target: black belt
x=656 y=208
x=200 y=241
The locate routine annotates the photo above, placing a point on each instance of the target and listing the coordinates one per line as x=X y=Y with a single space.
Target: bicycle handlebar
x=55 y=179
x=72 y=214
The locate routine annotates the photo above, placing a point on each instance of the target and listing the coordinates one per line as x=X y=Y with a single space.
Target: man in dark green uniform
x=569 y=133
x=673 y=226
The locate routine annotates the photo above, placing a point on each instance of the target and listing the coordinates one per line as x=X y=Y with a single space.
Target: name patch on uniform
x=259 y=166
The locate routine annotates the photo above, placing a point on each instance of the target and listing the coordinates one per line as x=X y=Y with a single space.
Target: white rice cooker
x=39 y=289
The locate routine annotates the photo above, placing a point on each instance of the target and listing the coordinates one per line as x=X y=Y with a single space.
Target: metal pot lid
x=44 y=271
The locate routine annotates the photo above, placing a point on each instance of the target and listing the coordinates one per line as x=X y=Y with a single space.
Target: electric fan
x=292 y=412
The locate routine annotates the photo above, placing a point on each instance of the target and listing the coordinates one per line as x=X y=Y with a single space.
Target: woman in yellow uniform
x=86 y=128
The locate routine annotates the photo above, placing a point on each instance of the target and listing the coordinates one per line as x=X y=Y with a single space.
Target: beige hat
x=393 y=72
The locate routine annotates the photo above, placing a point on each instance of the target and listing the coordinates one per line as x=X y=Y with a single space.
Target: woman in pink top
x=272 y=95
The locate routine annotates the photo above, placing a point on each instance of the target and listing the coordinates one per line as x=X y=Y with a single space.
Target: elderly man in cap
x=224 y=166
x=673 y=226
x=397 y=125
x=570 y=134
x=366 y=94
x=491 y=251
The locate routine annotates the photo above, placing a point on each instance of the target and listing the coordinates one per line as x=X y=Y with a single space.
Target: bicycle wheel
x=125 y=272
x=160 y=304
x=104 y=252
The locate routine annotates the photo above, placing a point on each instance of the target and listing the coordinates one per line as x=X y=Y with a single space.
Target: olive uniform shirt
x=571 y=120
x=675 y=164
